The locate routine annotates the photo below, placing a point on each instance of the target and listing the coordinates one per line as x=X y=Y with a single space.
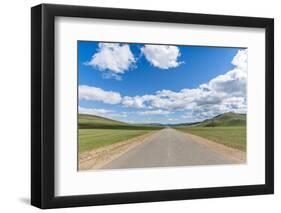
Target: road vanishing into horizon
x=168 y=147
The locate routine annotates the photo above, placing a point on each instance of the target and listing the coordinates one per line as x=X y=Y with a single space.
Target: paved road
x=167 y=147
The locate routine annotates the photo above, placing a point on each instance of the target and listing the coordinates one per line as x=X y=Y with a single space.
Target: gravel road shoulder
x=97 y=158
x=228 y=152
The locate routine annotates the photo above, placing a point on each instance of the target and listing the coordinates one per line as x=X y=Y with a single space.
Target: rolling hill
x=222 y=120
x=96 y=122
x=226 y=119
x=228 y=129
x=93 y=120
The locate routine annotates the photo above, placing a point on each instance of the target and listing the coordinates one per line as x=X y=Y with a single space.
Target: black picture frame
x=43 y=114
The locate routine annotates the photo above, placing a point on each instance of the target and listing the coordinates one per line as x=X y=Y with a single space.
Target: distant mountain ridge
x=225 y=119
x=86 y=121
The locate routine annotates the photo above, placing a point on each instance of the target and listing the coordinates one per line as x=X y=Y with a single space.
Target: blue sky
x=142 y=83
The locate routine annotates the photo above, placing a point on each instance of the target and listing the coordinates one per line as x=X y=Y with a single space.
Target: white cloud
x=103 y=112
x=221 y=94
x=154 y=112
x=241 y=59
x=162 y=56
x=98 y=94
x=93 y=111
x=112 y=59
x=232 y=104
x=164 y=99
x=135 y=102
x=173 y=119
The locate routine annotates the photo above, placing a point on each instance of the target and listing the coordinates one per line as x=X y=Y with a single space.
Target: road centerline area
x=168 y=147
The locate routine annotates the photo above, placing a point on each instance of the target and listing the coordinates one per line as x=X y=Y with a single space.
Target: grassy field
x=96 y=122
x=94 y=138
x=228 y=129
x=95 y=132
x=234 y=136
x=227 y=119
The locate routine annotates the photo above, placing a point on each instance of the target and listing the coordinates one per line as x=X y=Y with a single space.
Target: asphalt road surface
x=167 y=147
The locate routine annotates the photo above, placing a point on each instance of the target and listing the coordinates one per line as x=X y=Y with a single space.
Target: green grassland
x=97 y=122
x=228 y=129
x=228 y=119
x=95 y=131
x=94 y=138
x=234 y=137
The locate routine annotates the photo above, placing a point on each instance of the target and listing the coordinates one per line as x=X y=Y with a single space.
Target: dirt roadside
x=97 y=158
x=228 y=152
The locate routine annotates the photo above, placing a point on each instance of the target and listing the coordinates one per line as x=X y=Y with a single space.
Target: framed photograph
x=139 y=106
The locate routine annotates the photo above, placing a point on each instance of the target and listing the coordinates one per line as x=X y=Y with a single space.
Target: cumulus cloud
x=221 y=94
x=102 y=112
x=93 y=111
x=112 y=59
x=162 y=56
x=154 y=112
x=240 y=60
x=97 y=94
x=164 y=99
x=232 y=104
x=135 y=102
x=173 y=119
